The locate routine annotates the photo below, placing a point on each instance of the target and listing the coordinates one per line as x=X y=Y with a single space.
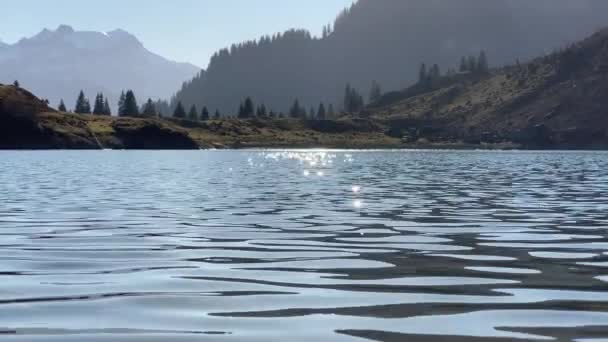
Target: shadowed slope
x=557 y=100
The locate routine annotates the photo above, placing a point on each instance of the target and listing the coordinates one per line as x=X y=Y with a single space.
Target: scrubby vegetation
x=27 y=122
x=553 y=101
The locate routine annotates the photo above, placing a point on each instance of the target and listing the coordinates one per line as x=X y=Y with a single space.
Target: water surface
x=277 y=245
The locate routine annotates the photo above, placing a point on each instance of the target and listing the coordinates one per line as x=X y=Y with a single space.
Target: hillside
x=554 y=101
x=58 y=63
x=386 y=40
x=28 y=123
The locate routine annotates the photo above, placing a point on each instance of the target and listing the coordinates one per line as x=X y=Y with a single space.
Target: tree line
x=468 y=65
x=127 y=106
x=247 y=110
x=228 y=64
x=353 y=100
x=475 y=65
x=193 y=114
x=101 y=106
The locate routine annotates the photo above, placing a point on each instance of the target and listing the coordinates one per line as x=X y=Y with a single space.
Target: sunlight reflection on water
x=259 y=245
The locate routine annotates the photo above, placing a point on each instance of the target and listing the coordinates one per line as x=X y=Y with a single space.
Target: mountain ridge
x=105 y=62
x=385 y=41
x=553 y=101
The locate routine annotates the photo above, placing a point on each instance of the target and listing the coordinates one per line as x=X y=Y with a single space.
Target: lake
x=301 y=245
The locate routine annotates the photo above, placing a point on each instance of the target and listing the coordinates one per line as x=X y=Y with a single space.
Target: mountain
x=555 y=101
x=26 y=122
x=59 y=63
x=386 y=40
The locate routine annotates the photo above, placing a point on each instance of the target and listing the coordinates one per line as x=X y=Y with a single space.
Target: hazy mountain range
x=386 y=40
x=59 y=63
x=381 y=40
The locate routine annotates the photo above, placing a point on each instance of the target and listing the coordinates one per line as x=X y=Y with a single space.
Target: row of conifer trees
x=353 y=100
x=127 y=106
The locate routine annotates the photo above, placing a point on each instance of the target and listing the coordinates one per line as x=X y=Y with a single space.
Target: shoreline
x=27 y=123
x=437 y=148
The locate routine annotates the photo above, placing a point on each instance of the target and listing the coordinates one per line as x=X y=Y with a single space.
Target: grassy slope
x=557 y=100
x=235 y=133
x=241 y=134
x=290 y=133
x=27 y=122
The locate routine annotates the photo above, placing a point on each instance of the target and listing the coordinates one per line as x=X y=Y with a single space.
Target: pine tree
x=130 y=104
x=106 y=107
x=295 y=111
x=347 y=98
x=193 y=113
x=242 y=111
x=179 y=112
x=472 y=64
x=87 y=106
x=205 y=114
x=149 y=109
x=61 y=107
x=321 y=112
x=464 y=66
x=482 y=62
x=82 y=104
x=162 y=108
x=375 y=93
x=422 y=74
x=121 y=104
x=263 y=110
x=248 y=108
x=79 y=107
x=353 y=101
x=435 y=73
x=359 y=101
x=98 y=107
x=327 y=31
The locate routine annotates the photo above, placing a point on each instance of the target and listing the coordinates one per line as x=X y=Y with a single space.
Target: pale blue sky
x=183 y=30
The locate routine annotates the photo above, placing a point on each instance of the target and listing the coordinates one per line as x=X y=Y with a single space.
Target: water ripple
x=333 y=245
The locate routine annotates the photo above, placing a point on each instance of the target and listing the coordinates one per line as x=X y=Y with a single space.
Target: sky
x=181 y=30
